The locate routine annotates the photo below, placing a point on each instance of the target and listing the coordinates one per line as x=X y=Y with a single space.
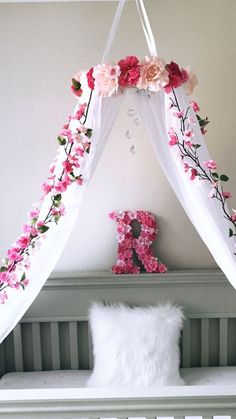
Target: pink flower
x=227 y=195
x=13 y=280
x=40 y=223
x=173 y=137
x=210 y=164
x=14 y=255
x=194 y=106
x=162 y=268
x=176 y=76
x=189 y=133
x=79 y=151
x=63 y=184
x=233 y=216
x=46 y=187
x=23 y=241
x=179 y=114
x=90 y=78
x=68 y=167
x=153 y=74
x=3 y=297
x=129 y=71
x=4 y=276
x=173 y=141
x=34 y=213
x=30 y=229
x=79 y=181
x=186 y=167
x=66 y=133
x=25 y=282
x=106 y=79
x=80 y=112
x=188 y=143
x=194 y=174
x=73 y=160
x=191 y=81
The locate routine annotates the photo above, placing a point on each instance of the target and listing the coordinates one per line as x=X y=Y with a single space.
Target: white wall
x=41 y=47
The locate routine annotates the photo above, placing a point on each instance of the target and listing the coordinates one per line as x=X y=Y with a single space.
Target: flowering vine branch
x=75 y=144
x=205 y=171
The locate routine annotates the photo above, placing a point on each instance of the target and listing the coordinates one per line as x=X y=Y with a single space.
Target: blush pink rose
x=106 y=79
x=129 y=71
x=191 y=81
x=153 y=74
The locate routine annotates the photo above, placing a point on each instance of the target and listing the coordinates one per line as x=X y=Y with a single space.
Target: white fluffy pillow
x=137 y=347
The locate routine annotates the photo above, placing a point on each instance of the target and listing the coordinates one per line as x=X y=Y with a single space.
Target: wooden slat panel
x=2 y=361
x=18 y=352
x=55 y=346
x=90 y=348
x=204 y=342
x=73 y=335
x=186 y=344
x=223 y=358
x=37 y=351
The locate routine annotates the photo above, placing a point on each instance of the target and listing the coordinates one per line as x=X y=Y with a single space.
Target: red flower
x=177 y=76
x=129 y=71
x=90 y=78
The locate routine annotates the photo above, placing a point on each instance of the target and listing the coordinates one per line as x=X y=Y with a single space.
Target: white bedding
x=212 y=376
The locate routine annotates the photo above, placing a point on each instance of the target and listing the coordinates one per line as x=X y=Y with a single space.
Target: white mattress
x=212 y=376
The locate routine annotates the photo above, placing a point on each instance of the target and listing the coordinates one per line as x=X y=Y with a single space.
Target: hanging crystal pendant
x=131 y=112
x=132 y=149
x=137 y=120
x=129 y=133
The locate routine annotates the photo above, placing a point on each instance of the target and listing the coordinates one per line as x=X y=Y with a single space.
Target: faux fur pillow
x=137 y=347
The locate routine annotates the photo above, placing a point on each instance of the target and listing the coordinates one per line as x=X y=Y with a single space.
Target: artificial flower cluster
x=151 y=74
x=63 y=172
x=205 y=171
x=127 y=243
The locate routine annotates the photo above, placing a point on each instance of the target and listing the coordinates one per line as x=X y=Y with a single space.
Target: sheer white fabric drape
x=205 y=213
x=102 y=113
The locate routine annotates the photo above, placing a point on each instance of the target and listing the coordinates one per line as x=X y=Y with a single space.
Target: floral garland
x=141 y=245
x=150 y=75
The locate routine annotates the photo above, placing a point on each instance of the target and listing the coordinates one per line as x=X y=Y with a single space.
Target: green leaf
x=23 y=277
x=57 y=197
x=196 y=145
x=61 y=140
x=88 y=149
x=43 y=229
x=231 y=233
x=76 y=84
x=3 y=269
x=57 y=218
x=224 y=178
x=214 y=174
x=89 y=133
